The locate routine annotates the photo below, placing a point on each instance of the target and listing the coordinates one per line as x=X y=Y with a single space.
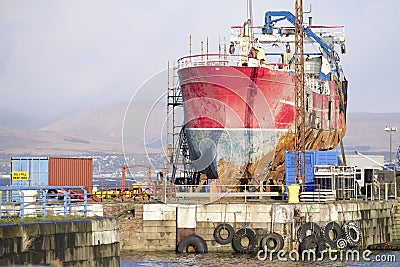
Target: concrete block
x=373 y=214
x=166 y=229
x=259 y=217
x=31 y=229
x=186 y=216
x=151 y=236
x=303 y=208
x=150 y=229
x=213 y=208
x=152 y=216
x=348 y=216
x=82 y=226
x=316 y=217
x=104 y=237
x=48 y=243
x=260 y=225
x=159 y=223
x=159 y=212
x=333 y=213
x=314 y=207
x=104 y=224
x=357 y=215
x=63 y=227
x=282 y=213
x=209 y=216
x=168 y=236
x=152 y=223
x=82 y=239
x=11 y=231
x=237 y=208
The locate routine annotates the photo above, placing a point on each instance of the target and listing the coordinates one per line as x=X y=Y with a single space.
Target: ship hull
x=239 y=120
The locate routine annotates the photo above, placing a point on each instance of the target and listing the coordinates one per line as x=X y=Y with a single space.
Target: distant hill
x=99 y=131
x=102 y=124
x=365 y=131
x=42 y=142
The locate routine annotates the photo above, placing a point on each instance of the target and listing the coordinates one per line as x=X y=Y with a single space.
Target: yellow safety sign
x=19 y=175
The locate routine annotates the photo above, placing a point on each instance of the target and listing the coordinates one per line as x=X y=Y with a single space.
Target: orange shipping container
x=71 y=172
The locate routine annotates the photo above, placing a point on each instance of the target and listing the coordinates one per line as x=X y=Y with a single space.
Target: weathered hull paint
x=248 y=112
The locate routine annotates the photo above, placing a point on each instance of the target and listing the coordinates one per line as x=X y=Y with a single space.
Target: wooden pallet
x=320 y=196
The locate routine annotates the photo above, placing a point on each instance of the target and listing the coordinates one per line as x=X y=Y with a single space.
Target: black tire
x=337 y=233
x=352 y=234
x=237 y=241
x=312 y=242
x=219 y=238
x=195 y=241
x=302 y=231
x=273 y=242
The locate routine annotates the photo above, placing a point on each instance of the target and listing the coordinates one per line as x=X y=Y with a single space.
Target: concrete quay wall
x=92 y=242
x=159 y=227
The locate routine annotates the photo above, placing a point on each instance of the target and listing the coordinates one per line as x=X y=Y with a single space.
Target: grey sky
x=58 y=57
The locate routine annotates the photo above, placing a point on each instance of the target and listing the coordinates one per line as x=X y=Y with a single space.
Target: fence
x=380 y=191
x=42 y=201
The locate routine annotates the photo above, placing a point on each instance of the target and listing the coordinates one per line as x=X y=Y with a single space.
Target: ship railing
x=216 y=60
x=40 y=201
x=207 y=60
x=335 y=34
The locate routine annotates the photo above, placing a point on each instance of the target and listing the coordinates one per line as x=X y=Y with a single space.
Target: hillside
x=100 y=131
x=43 y=142
x=365 y=131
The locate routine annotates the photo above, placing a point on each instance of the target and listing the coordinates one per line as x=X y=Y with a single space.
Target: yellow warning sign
x=19 y=175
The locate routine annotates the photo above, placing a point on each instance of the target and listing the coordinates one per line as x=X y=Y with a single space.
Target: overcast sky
x=59 y=57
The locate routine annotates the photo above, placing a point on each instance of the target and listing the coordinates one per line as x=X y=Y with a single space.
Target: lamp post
x=390 y=130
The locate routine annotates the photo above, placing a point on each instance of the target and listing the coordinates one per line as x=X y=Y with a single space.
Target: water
x=130 y=259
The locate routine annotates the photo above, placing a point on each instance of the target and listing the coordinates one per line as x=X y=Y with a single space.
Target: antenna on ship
x=250 y=10
x=190 y=45
x=249 y=21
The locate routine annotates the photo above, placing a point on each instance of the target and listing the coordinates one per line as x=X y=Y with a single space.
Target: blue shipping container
x=312 y=158
x=36 y=168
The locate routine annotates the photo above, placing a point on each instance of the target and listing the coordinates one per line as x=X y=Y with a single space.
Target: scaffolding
x=182 y=171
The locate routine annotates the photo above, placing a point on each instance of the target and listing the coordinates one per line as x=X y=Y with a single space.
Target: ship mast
x=299 y=109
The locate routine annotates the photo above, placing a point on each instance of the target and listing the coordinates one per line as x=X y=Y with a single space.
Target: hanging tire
x=194 y=241
x=336 y=230
x=217 y=233
x=312 y=242
x=238 y=237
x=352 y=234
x=302 y=231
x=272 y=242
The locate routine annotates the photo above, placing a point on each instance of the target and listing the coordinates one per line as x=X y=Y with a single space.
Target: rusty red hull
x=238 y=119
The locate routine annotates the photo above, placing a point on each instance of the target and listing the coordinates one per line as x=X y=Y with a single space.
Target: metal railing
x=216 y=60
x=34 y=201
x=217 y=192
x=380 y=191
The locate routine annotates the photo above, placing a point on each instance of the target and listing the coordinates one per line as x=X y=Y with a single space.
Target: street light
x=390 y=130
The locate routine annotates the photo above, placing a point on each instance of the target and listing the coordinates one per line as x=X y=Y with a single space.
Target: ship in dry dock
x=239 y=106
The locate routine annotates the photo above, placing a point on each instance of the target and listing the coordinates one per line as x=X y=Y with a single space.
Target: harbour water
x=133 y=259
